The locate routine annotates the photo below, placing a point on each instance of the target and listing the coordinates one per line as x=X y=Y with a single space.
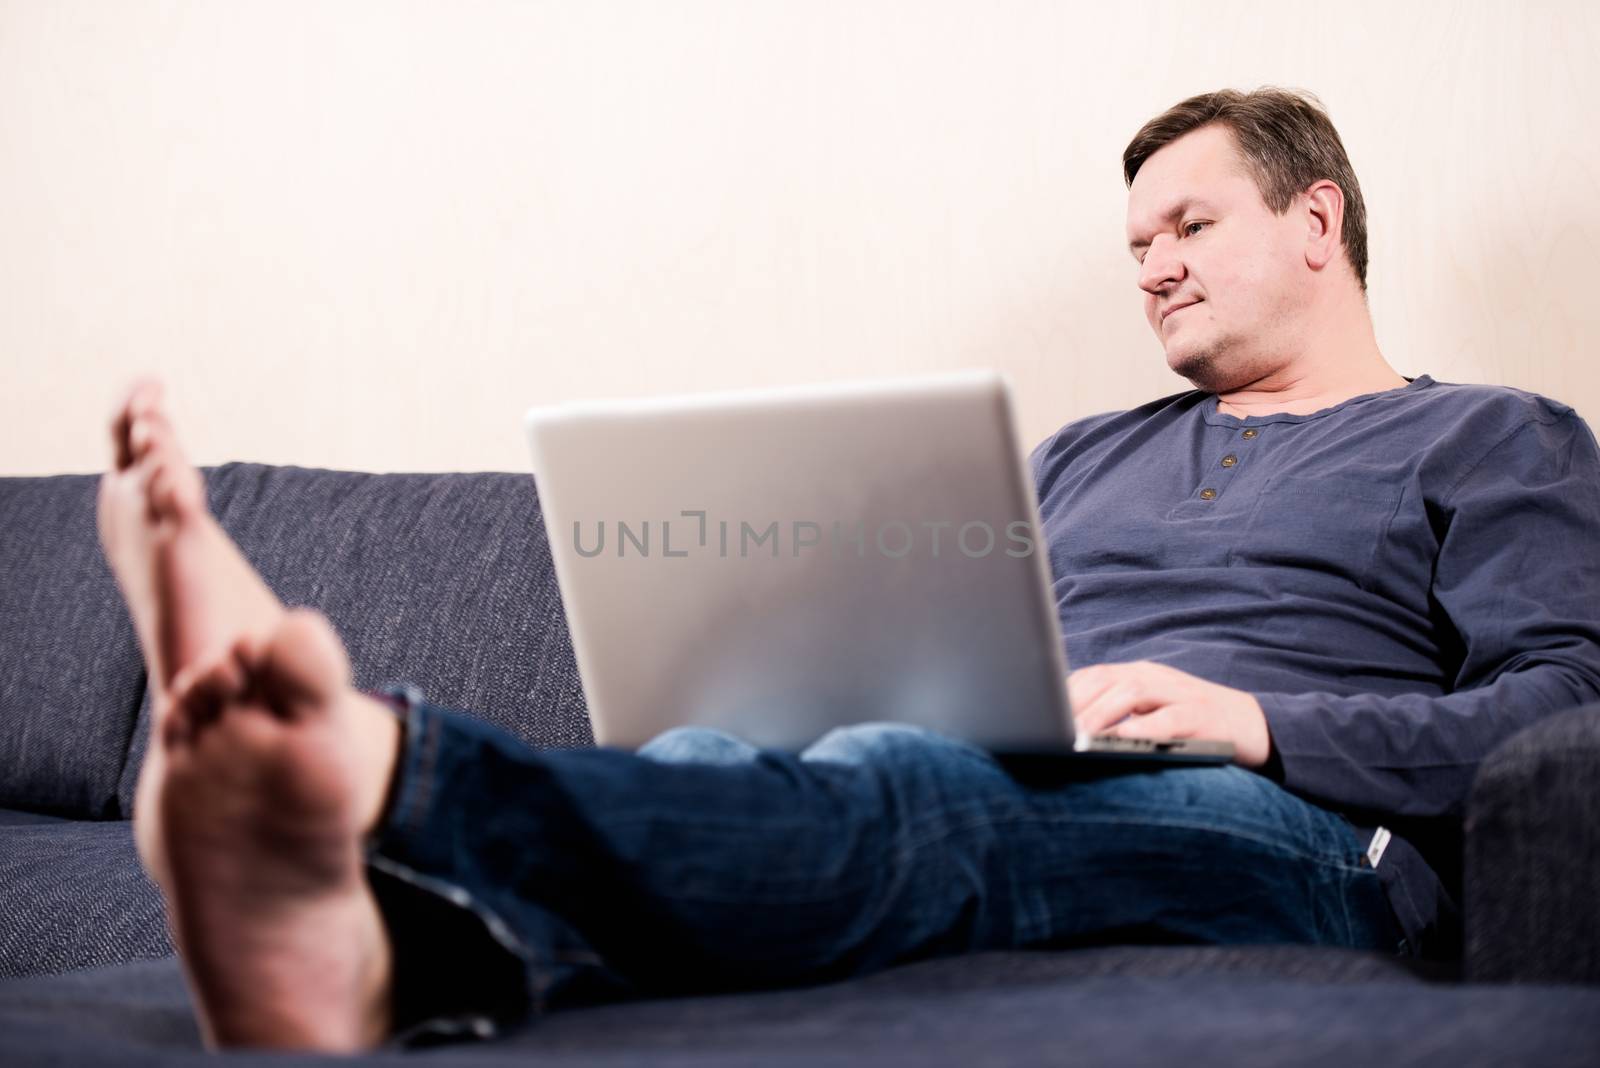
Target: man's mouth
x=1177 y=308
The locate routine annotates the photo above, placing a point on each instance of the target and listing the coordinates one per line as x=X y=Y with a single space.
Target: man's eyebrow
x=1174 y=212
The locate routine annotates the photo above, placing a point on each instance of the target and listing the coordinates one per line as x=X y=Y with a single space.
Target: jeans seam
x=906 y=850
x=917 y=842
x=1274 y=846
x=416 y=767
x=419 y=793
x=1344 y=910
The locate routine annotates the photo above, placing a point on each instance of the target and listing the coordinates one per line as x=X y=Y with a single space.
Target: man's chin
x=1200 y=368
x=1213 y=370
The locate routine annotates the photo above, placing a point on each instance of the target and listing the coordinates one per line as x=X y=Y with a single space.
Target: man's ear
x=1324 y=215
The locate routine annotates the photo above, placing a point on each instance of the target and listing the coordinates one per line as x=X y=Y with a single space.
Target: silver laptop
x=777 y=563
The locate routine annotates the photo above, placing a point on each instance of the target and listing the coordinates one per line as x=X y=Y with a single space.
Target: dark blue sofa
x=445 y=581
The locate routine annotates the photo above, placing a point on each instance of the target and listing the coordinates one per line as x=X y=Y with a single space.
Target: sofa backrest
x=444 y=581
x=71 y=676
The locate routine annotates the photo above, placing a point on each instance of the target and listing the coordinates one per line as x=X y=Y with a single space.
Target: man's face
x=1204 y=238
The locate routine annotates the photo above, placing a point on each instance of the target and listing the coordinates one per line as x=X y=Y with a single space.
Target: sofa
x=445 y=581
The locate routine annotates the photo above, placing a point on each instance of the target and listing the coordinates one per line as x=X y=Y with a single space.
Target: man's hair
x=1287 y=142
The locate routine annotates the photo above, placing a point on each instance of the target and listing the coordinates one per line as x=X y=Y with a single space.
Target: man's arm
x=1517 y=579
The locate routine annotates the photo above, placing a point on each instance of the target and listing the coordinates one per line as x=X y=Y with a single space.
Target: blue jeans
x=513 y=879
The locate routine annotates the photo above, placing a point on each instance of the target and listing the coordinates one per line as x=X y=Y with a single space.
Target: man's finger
x=1173 y=721
x=1086 y=684
x=1129 y=696
x=1162 y=723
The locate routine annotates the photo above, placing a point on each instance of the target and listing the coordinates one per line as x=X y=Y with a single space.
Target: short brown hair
x=1287 y=141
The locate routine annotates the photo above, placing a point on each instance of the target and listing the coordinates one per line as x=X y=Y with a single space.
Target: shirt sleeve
x=1517 y=577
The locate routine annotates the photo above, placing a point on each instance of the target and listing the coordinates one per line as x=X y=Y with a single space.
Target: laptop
x=778 y=563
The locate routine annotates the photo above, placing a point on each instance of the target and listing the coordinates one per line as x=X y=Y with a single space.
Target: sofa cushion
x=1191 y=1005
x=70 y=672
x=73 y=895
x=444 y=581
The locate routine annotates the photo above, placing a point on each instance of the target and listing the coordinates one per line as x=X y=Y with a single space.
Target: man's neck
x=1288 y=394
x=1338 y=359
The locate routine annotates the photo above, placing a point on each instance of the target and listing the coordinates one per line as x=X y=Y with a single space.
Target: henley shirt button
x=1208 y=494
x=1251 y=432
x=1229 y=460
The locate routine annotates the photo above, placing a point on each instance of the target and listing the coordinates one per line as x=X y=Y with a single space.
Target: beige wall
x=368 y=235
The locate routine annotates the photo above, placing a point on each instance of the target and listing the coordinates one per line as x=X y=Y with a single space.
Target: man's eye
x=1184 y=229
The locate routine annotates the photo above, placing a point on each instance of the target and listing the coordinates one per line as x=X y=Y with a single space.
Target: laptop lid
x=776 y=563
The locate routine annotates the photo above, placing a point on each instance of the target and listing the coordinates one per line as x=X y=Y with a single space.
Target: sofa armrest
x=1531 y=877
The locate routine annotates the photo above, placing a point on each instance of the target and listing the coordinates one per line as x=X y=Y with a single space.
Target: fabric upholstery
x=1191 y=1005
x=70 y=671
x=1533 y=855
x=11 y=817
x=72 y=895
x=444 y=581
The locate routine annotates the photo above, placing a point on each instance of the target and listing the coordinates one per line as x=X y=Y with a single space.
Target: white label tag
x=1380 y=839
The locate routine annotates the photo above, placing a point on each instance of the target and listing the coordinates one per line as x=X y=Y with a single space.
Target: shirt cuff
x=1288 y=718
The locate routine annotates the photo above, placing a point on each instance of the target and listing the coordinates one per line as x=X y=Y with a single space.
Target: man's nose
x=1161 y=266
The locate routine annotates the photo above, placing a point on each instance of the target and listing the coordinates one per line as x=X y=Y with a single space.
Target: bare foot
x=264 y=771
x=153 y=525
x=268 y=788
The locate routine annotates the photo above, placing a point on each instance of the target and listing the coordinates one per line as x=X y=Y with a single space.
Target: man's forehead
x=1208 y=154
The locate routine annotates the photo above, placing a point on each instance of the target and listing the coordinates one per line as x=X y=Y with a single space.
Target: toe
x=200 y=691
x=143 y=397
x=138 y=406
x=303 y=663
x=175 y=490
x=149 y=432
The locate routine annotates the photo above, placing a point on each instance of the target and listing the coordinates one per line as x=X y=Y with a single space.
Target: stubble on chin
x=1215 y=368
x=1200 y=368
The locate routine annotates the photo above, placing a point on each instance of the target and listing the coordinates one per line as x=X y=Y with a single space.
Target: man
x=1362 y=581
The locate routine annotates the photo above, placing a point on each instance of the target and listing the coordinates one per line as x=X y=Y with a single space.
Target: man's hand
x=1163 y=702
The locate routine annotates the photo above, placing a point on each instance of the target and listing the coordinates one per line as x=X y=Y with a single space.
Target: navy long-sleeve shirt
x=1402 y=580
